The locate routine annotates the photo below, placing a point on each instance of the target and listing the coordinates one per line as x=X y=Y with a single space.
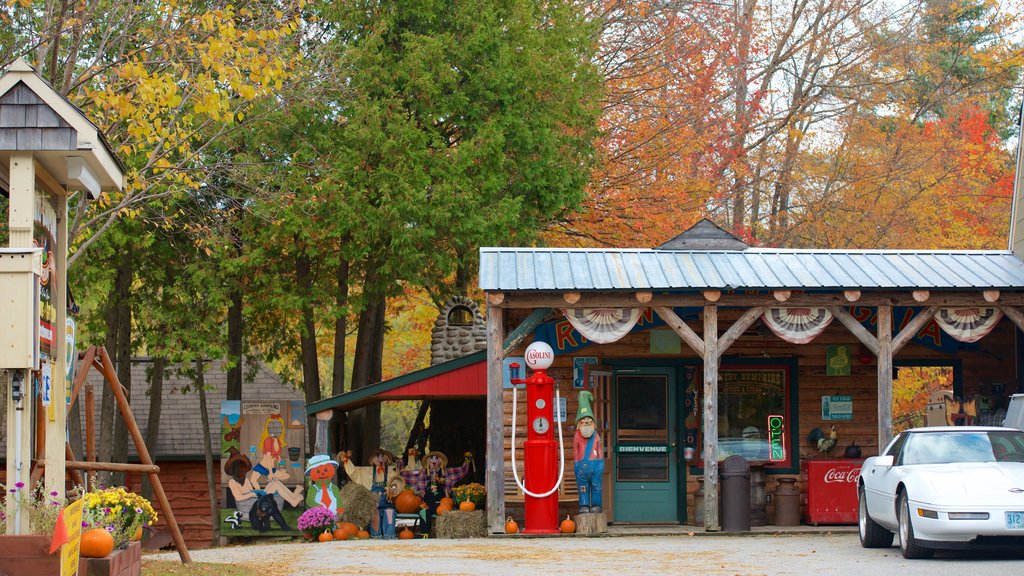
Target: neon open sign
x=776 y=438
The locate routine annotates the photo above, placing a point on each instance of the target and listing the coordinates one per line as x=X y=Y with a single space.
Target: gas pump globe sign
x=539 y=356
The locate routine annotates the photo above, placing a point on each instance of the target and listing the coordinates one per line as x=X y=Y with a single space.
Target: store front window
x=748 y=399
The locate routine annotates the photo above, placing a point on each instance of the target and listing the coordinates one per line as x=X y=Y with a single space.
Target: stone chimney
x=460 y=330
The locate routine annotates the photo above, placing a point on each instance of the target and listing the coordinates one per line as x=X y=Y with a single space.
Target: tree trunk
x=156 y=395
x=364 y=424
x=124 y=354
x=307 y=338
x=211 y=471
x=235 y=357
x=743 y=22
x=340 y=333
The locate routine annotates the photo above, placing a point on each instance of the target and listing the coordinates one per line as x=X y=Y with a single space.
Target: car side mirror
x=885 y=461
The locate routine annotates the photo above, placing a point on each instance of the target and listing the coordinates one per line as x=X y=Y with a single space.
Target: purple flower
x=138 y=510
x=53 y=493
x=19 y=484
x=110 y=528
x=85 y=524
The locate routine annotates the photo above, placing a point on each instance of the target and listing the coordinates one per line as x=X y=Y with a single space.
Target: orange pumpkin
x=467 y=506
x=362 y=534
x=510 y=526
x=442 y=509
x=138 y=534
x=96 y=543
x=407 y=502
x=567 y=526
x=406 y=534
x=325 y=537
x=345 y=531
x=446 y=501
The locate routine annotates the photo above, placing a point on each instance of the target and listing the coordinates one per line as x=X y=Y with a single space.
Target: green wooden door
x=645 y=463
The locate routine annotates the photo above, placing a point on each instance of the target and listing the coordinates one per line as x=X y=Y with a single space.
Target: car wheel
x=872 y=535
x=908 y=544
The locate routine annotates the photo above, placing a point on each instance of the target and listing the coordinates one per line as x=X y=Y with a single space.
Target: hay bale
x=459 y=524
x=359 y=503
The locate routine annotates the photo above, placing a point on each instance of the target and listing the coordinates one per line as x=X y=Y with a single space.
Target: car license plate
x=1015 y=520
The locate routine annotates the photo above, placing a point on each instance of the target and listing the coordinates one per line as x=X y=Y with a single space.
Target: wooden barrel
x=758 y=500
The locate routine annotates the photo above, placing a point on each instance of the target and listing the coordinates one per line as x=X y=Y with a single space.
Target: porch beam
x=912 y=328
x=698 y=300
x=884 y=376
x=516 y=337
x=1015 y=315
x=711 y=521
x=855 y=328
x=686 y=334
x=495 y=475
x=738 y=328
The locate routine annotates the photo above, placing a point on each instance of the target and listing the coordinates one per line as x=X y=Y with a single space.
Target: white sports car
x=949 y=487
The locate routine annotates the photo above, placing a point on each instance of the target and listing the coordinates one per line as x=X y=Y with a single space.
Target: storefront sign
x=837 y=407
x=579 y=364
x=837 y=360
x=659 y=449
x=776 y=438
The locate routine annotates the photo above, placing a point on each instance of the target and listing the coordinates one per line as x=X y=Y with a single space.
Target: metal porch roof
x=559 y=269
x=459 y=378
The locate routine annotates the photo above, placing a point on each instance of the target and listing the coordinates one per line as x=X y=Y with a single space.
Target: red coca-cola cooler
x=831 y=490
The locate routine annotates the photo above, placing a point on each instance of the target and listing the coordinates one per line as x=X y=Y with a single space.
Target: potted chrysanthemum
x=316 y=521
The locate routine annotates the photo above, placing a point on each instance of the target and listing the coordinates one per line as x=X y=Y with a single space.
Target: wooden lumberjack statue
x=587 y=452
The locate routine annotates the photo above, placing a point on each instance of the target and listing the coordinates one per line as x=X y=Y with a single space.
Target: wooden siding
x=28 y=123
x=185 y=485
x=991 y=360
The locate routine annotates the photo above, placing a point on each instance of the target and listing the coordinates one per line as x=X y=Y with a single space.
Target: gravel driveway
x=804 y=555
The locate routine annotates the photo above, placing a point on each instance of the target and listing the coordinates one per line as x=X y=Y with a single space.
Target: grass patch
x=175 y=568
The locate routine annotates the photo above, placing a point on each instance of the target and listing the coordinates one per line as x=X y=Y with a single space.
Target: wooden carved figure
x=589 y=456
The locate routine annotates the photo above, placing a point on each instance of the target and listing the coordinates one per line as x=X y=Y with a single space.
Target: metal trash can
x=735 y=474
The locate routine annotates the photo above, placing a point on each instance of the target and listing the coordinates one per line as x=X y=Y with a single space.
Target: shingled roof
x=181 y=432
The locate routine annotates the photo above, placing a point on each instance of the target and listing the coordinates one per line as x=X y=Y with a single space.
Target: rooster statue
x=823 y=443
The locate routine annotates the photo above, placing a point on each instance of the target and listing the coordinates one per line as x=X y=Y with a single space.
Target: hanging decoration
x=603 y=325
x=968 y=324
x=797 y=325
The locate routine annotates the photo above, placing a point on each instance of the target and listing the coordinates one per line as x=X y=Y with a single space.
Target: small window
x=460 y=316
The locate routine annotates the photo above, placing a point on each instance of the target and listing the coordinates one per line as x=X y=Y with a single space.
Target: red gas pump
x=541 y=502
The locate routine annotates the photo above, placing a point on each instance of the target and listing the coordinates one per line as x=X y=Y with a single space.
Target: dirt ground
x=763 y=554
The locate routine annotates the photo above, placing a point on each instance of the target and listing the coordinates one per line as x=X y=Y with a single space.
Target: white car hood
x=974 y=482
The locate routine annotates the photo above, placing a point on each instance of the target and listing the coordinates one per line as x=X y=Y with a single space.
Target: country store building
x=705 y=338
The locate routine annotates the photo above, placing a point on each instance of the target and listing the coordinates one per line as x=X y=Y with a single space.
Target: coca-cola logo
x=834 y=475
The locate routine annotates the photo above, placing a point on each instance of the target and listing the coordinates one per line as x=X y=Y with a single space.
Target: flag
x=60 y=533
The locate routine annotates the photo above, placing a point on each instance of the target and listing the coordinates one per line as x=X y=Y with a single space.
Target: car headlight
x=968 y=515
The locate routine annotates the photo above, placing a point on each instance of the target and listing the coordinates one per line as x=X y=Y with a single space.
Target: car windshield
x=955 y=446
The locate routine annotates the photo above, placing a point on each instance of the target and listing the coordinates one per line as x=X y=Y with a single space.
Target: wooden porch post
x=884 y=375
x=495 y=476
x=711 y=523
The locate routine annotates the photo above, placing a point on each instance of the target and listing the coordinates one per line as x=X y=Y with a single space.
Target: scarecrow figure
x=435 y=480
x=322 y=491
x=377 y=477
x=588 y=454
